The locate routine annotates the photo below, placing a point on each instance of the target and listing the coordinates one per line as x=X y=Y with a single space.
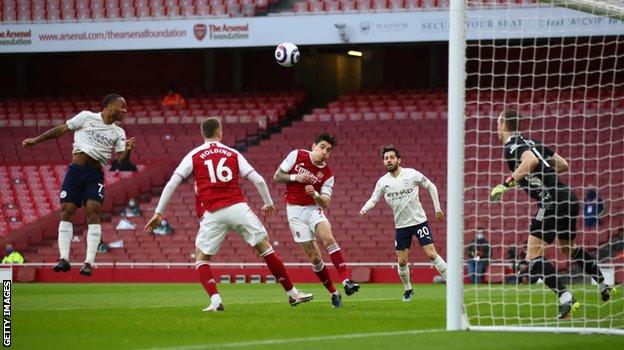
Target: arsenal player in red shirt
x=221 y=207
x=309 y=182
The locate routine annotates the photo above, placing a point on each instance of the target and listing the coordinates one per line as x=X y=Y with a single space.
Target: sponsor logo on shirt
x=400 y=194
x=301 y=170
x=100 y=138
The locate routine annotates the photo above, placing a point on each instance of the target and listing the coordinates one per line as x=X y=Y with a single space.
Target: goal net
x=561 y=65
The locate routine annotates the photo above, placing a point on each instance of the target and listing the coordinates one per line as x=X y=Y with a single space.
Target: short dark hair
x=390 y=148
x=325 y=137
x=512 y=119
x=210 y=126
x=110 y=98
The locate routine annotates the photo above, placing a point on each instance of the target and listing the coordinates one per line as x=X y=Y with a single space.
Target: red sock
x=338 y=260
x=206 y=278
x=323 y=276
x=275 y=264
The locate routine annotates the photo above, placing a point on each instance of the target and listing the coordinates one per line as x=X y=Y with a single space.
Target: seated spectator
x=173 y=99
x=102 y=247
x=132 y=209
x=478 y=257
x=124 y=166
x=164 y=228
x=13 y=256
x=593 y=208
x=125 y=224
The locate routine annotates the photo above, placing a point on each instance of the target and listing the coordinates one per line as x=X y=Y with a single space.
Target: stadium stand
x=263 y=109
x=415 y=120
x=119 y=10
x=21 y=11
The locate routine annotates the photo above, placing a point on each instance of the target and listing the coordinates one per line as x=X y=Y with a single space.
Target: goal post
x=560 y=64
x=455 y=166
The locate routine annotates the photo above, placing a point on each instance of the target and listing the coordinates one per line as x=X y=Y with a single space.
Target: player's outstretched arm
x=372 y=201
x=53 y=133
x=263 y=190
x=167 y=192
x=528 y=162
x=558 y=163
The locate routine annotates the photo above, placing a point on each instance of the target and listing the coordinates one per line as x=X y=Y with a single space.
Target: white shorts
x=303 y=220
x=238 y=217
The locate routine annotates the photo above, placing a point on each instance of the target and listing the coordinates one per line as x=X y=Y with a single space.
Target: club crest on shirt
x=320 y=175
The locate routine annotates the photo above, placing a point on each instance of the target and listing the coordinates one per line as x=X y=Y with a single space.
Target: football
x=287 y=54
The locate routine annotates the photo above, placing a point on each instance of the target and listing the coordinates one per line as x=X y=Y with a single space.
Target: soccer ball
x=287 y=54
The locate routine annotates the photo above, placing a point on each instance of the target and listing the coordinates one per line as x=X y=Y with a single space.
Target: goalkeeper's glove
x=497 y=192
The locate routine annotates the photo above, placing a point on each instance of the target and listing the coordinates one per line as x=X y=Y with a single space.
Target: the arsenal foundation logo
x=200 y=31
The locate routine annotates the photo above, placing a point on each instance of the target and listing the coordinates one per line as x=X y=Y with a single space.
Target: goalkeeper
x=535 y=168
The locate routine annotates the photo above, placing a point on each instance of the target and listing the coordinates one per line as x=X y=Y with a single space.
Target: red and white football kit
x=303 y=212
x=219 y=200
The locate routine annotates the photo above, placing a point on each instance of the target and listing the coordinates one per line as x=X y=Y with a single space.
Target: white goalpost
x=560 y=63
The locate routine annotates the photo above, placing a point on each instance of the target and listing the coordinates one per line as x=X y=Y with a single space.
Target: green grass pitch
x=169 y=316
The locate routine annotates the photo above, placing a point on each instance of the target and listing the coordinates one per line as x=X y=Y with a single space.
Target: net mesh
x=563 y=69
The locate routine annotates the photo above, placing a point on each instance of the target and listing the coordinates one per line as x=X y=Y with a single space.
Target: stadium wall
x=188 y=274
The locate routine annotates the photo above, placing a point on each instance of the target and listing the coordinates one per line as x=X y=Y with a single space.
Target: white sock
x=404 y=274
x=215 y=299
x=602 y=286
x=293 y=292
x=566 y=297
x=65 y=235
x=94 y=232
x=440 y=265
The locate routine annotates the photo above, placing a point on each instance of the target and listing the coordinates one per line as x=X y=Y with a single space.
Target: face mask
x=164 y=223
x=132 y=204
x=10 y=251
x=480 y=236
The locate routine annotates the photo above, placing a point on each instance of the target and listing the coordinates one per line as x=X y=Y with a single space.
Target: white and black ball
x=287 y=54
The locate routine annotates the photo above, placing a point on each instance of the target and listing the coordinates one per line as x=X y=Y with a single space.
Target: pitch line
x=297 y=340
x=96 y=307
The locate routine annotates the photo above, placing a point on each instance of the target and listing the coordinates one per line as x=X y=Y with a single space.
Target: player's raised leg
x=277 y=268
x=65 y=235
x=589 y=264
x=324 y=232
